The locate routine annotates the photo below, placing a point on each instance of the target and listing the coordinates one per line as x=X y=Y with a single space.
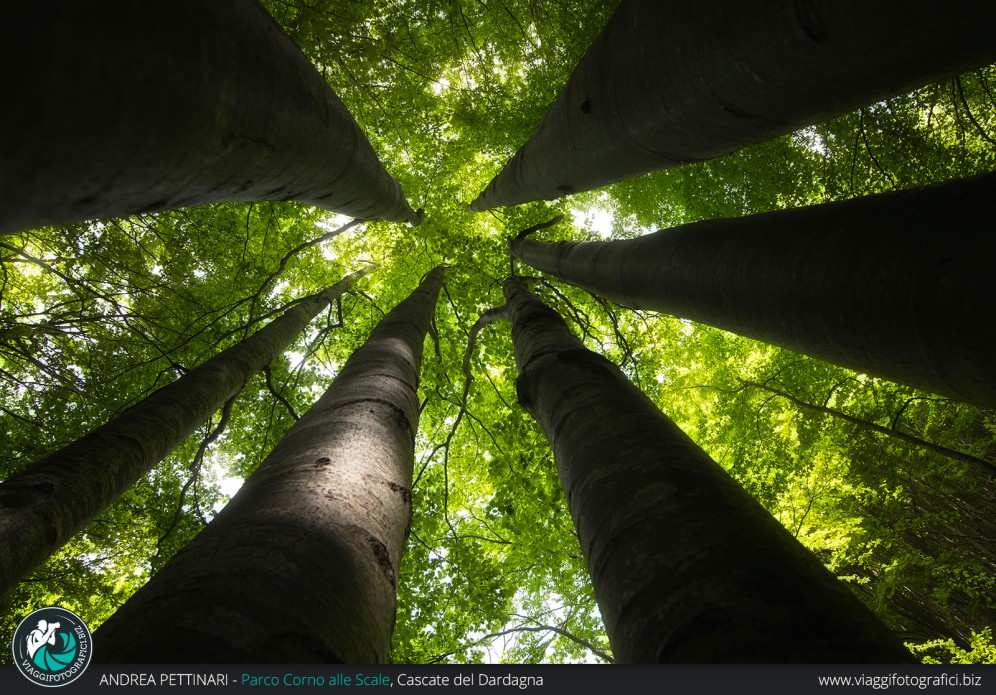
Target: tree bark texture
x=670 y=82
x=685 y=565
x=119 y=107
x=302 y=564
x=897 y=285
x=45 y=505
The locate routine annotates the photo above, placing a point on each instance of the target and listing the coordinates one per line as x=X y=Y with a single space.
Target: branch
x=276 y=394
x=538 y=627
x=290 y=254
x=871 y=155
x=985 y=466
x=195 y=469
x=536 y=227
x=971 y=116
x=487 y=318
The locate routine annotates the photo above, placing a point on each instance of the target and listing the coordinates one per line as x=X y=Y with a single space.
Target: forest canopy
x=889 y=486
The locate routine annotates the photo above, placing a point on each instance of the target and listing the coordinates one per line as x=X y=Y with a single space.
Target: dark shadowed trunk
x=302 y=564
x=44 y=506
x=677 y=81
x=898 y=285
x=685 y=565
x=118 y=107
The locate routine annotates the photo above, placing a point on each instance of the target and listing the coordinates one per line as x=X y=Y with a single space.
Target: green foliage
x=95 y=316
x=982 y=650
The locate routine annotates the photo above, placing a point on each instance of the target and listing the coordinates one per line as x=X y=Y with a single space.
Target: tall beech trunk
x=686 y=566
x=123 y=107
x=302 y=564
x=897 y=285
x=45 y=505
x=675 y=81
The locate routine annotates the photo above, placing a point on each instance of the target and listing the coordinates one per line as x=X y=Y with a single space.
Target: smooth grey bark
x=43 y=506
x=117 y=107
x=670 y=82
x=302 y=564
x=685 y=565
x=897 y=285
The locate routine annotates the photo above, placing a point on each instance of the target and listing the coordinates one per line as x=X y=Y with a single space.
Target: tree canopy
x=886 y=484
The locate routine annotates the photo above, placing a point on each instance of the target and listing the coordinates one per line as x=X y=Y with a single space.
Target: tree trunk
x=896 y=285
x=685 y=565
x=121 y=107
x=675 y=81
x=302 y=564
x=44 y=506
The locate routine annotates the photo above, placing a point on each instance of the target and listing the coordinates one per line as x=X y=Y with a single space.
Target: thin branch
x=871 y=155
x=290 y=254
x=985 y=466
x=276 y=394
x=529 y=628
x=971 y=116
x=195 y=469
x=537 y=227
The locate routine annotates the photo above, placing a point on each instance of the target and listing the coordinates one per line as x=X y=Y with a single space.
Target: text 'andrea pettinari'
x=166 y=679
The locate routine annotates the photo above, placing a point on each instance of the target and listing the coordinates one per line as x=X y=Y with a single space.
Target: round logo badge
x=52 y=647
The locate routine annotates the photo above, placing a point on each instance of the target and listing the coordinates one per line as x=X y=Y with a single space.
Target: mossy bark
x=302 y=564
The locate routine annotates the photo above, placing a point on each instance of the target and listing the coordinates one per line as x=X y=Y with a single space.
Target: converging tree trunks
x=685 y=565
x=675 y=81
x=45 y=505
x=896 y=285
x=302 y=565
x=159 y=351
x=131 y=107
